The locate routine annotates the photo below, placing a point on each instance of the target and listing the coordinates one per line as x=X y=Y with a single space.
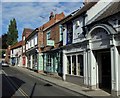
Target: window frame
x=70 y=66
x=48 y=35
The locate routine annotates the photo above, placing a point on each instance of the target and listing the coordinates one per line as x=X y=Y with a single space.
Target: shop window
x=48 y=62
x=74 y=65
x=68 y=65
x=80 y=65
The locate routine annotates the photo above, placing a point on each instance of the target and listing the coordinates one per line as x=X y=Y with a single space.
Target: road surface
x=19 y=83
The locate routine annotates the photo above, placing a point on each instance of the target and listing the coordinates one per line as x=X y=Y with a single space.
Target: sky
x=29 y=14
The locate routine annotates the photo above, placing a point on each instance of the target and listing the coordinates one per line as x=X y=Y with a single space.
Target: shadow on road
x=9 y=88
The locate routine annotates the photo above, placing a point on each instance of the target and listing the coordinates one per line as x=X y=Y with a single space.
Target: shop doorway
x=105 y=71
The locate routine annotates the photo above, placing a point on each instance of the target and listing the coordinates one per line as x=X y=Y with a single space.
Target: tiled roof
x=85 y=8
x=113 y=9
x=80 y=11
x=54 y=20
x=57 y=18
x=18 y=44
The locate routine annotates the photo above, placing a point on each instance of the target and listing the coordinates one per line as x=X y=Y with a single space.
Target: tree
x=12 y=33
x=4 y=41
x=2 y=52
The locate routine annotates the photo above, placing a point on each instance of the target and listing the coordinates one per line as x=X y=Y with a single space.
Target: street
x=18 y=83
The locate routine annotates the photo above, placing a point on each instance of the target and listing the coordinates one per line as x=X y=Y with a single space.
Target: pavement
x=73 y=87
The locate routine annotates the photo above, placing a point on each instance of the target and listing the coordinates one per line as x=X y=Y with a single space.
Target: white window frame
x=76 y=55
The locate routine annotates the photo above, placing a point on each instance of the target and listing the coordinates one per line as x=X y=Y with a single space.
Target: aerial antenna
x=42 y=17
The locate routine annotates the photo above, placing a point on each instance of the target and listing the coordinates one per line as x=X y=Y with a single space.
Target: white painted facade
x=102 y=41
x=17 y=55
x=97 y=10
x=77 y=30
x=31 y=51
x=32 y=42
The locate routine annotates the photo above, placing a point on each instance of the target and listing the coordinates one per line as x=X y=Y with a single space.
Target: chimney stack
x=51 y=16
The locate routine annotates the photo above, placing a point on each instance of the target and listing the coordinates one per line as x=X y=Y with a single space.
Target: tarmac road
x=17 y=83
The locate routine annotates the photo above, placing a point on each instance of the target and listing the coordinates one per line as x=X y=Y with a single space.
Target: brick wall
x=52 y=26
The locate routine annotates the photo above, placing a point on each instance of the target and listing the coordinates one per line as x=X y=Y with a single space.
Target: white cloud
x=33 y=14
x=0 y=18
x=42 y=1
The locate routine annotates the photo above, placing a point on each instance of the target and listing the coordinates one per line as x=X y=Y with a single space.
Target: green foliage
x=12 y=33
x=4 y=41
x=2 y=52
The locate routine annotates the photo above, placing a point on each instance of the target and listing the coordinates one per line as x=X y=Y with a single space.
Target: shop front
x=74 y=60
x=32 y=59
x=103 y=60
x=53 y=62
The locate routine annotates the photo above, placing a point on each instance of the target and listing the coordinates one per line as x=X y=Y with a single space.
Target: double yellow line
x=15 y=86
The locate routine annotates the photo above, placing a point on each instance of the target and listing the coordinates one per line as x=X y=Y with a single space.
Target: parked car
x=4 y=64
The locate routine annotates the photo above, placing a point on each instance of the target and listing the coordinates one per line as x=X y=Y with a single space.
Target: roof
x=85 y=8
x=82 y=10
x=57 y=18
x=27 y=32
x=113 y=9
x=18 y=44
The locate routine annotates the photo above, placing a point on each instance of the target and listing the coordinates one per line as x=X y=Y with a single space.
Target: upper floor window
x=69 y=32
x=61 y=32
x=30 y=43
x=48 y=35
x=36 y=40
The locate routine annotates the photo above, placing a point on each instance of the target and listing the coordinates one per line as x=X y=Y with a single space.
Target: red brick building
x=25 y=34
x=43 y=45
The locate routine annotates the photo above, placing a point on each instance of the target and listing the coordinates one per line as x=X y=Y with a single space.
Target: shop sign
x=50 y=42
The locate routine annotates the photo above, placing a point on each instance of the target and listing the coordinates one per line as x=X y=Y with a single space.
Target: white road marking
x=15 y=86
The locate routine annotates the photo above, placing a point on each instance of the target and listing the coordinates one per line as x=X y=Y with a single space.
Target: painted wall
x=96 y=10
x=65 y=35
x=77 y=30
x=32 y=42
x=99 y=39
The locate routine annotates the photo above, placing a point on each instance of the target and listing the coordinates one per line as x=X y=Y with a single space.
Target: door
x=106 y=71
x=23 y=60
